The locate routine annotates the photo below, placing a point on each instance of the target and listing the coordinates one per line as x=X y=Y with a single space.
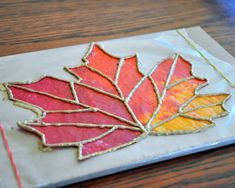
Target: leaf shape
x=113 y=104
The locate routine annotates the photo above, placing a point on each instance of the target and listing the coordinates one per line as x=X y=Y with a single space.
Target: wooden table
x=35 y=25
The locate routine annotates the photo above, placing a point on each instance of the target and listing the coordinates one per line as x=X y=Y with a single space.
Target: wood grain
x=30 y=25
x=213 y=168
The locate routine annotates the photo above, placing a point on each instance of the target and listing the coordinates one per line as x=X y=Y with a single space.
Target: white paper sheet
x=60 y=166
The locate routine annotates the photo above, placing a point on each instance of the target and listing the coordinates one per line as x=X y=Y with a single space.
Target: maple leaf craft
x=112 y=104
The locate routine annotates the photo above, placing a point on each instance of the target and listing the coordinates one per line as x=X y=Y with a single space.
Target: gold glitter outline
x=25 y=125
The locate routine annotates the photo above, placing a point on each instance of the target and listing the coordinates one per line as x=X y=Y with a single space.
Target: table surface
x=30 y=25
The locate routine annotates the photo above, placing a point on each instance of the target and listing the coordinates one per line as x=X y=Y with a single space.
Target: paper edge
x=174 y=155
x=214 y=48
